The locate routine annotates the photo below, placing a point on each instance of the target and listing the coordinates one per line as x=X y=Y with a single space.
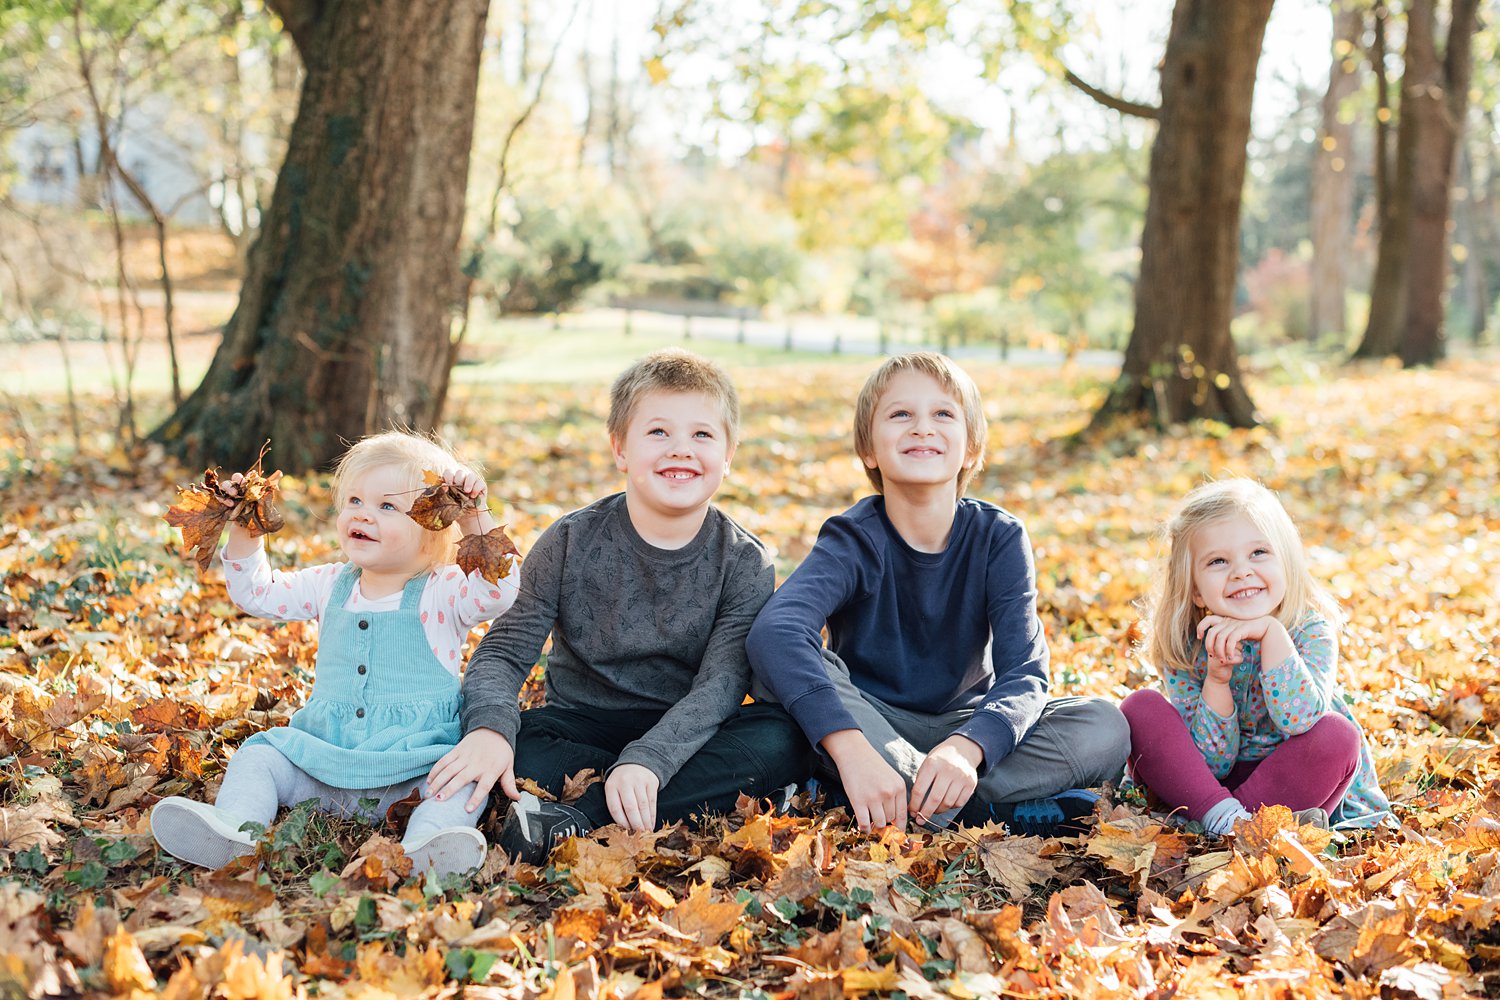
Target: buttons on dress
x=359 y=713
x=363 y=668
x=363 y=623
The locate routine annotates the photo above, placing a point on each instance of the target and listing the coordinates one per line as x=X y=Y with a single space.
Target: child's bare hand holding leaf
x=460 y=495
x=245 y=502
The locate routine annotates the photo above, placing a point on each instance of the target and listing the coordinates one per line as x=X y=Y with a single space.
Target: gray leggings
x=260 y=780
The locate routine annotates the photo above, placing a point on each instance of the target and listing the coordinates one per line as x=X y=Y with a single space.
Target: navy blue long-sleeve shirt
x=930 y=632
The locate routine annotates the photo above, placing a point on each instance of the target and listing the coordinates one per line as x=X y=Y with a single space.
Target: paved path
x=834 y=334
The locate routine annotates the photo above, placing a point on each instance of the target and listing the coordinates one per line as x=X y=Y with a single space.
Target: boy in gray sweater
x=648 y=595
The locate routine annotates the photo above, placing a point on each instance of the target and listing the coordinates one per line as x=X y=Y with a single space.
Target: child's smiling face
x=918 y=433
x=675 y=453
x=1237 y=573
x=374 y=530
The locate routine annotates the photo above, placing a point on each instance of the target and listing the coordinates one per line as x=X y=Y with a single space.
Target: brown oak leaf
x=257 y=511
x=492 y=554
x=201 y=512
x=439 y=505
x=204 y=509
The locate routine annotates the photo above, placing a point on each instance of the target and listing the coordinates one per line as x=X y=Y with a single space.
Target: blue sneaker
x=1065 y=814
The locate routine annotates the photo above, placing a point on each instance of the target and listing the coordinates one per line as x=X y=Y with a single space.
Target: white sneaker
x=198 y=833
x=452 y=851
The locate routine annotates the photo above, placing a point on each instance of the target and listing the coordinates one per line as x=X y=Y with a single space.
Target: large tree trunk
x=1406 y=297
x=1388 y=287
x=1332 y=201
x=342 y=328
x=1181 y=362
x=1442 y=102
x=1478 y=229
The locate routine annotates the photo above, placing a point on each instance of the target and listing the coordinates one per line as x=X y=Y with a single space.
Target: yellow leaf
x=124 y=965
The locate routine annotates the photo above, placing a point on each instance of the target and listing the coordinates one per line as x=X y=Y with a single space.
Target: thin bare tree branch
x=1111 y=101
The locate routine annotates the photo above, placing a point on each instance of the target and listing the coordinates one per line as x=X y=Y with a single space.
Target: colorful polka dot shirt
x=1273 y=702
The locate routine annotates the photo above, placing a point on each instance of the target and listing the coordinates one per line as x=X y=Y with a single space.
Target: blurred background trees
x=972 y=175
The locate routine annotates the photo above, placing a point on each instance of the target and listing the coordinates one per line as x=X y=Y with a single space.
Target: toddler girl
x=385 y=698
x=1247 y=644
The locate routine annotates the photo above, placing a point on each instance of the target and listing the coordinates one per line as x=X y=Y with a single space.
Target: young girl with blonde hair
x=385 y=701
x=1246 y=642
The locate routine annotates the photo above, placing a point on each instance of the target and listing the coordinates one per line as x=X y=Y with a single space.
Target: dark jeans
x=757 y=751
x=1311 y=769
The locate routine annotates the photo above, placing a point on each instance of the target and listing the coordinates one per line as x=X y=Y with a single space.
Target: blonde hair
x=412 y=454
x=1174 y=616
x=954 y=381
x=672 y=370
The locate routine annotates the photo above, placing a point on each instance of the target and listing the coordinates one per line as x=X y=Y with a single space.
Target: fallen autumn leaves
x=125 y=678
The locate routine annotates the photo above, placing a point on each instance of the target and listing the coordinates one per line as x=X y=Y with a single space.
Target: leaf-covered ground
x=124 y=677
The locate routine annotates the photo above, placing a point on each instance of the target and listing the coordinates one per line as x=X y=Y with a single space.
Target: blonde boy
x=647 y=595
x=931 y=695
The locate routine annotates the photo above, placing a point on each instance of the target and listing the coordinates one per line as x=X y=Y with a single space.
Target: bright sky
x=1118 y=50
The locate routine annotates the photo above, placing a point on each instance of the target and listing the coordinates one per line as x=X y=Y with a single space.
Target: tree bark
x=1332 y=201
x=1483 y=240
x=1181 y=362
x=342 y=327
x=1388 y=287
x=1411 y=270
x=1441 y=102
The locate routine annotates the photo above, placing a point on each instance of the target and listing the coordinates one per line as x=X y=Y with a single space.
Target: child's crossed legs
x=1076 y=743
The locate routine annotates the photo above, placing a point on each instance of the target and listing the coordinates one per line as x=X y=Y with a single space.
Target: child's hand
x=483 y=757
x=877 y=793
x=1220 y=671
x=630 y=791
x=467 y=481
x=472 y=485
x=1222 y=636
x=947 y=778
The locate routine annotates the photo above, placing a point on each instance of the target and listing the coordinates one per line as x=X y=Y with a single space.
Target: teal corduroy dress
x=383 y=709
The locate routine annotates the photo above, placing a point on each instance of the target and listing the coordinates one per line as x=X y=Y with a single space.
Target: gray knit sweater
x=634 y=628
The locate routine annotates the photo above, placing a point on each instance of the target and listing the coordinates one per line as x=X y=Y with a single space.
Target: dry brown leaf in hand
x=492 y=554
x=440 y=504
x=201 y=512
x=204 y=509
x=257 y=511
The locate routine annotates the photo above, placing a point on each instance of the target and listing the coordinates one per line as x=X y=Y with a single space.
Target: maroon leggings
x=1310 y=769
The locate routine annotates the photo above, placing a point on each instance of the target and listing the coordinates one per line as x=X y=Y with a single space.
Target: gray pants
x=1077 y=743
x=260 y=780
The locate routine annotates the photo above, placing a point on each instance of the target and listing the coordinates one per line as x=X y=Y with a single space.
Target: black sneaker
x=782 y=799
x=533 y=827
x=1060 y=815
